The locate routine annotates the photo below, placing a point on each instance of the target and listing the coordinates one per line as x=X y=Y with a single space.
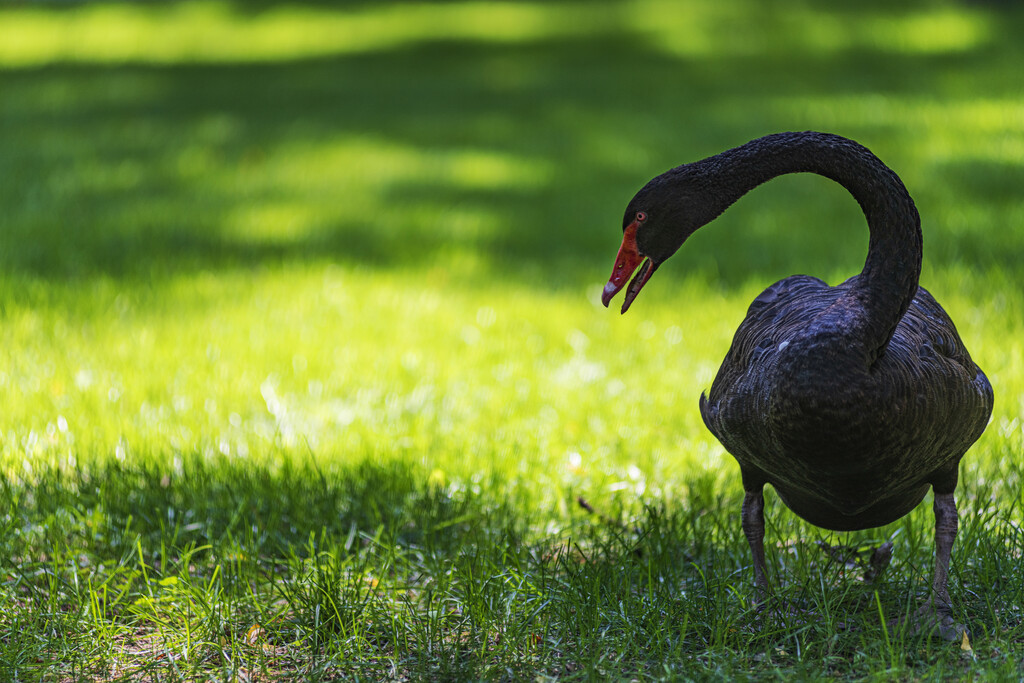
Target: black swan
x=849 y=400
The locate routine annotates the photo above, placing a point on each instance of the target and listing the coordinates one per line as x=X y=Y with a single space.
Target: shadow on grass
x=203 y=501
x=372 y=566
x=143 y=171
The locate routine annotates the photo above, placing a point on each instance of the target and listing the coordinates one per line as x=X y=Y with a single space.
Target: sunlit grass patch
x=221 y=32
x=694 y=31
x=296 y=361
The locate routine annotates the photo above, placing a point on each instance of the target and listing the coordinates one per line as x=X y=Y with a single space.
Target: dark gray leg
x=946 y=524
x=936 y=616
x=753 y=527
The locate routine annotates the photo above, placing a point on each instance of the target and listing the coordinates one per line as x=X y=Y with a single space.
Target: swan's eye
x=641 y=216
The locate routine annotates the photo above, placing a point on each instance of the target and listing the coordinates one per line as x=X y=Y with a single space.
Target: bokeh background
x=229 y=187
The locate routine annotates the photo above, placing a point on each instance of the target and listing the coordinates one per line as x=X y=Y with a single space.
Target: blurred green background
x=394 y=219
x=381 y=228
x=142 y=140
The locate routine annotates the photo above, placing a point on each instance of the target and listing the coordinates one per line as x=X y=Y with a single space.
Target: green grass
x=303 y=364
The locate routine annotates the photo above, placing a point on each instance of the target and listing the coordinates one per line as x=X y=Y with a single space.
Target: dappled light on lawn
x=224 y=32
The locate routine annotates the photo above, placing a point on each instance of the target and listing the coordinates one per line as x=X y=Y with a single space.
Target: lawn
x=303 y=365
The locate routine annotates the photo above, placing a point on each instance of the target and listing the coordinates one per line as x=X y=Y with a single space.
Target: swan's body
x=846 y=444
x=851 y=401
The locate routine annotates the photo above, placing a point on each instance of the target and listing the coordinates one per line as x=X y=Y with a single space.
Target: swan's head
x=657 y=222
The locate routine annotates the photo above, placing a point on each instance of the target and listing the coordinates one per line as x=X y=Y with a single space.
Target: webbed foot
x=872 y=560
x=935 y=620
x=879 y=560
x=774 y=612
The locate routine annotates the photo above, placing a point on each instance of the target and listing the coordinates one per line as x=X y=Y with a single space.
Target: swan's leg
x=941 y=607
x=936 y=615
x=753 y=528
x=946 y=525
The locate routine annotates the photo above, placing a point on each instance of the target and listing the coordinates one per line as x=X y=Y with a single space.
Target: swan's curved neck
x=879 y=297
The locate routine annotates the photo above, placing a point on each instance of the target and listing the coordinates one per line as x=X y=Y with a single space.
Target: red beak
x=625 y=263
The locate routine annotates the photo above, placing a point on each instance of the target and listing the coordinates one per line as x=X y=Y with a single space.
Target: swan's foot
x=933 y=619
x=772 y=611
x=873 y=561
x=878 y=562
